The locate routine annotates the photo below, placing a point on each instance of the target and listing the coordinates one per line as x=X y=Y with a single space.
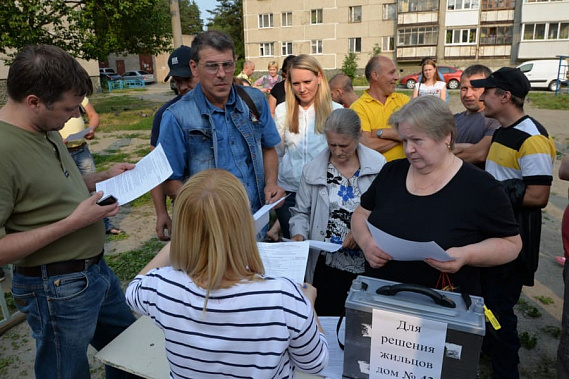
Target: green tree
x=90 y=29
x=350 y=65
x=376 y=50
x=228 y=17
x=190 y=17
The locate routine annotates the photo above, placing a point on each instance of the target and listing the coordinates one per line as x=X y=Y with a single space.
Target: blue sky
x=204 y=5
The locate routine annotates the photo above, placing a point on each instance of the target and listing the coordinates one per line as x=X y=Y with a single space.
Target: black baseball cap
x=507 y=78
x=179 y=63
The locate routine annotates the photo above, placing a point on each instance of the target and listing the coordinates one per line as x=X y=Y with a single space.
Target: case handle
x=438 y=298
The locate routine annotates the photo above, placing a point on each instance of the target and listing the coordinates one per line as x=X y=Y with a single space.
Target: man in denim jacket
x=212 y=126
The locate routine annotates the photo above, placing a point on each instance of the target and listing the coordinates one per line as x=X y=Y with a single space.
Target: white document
x=405 y=346
x=149 y=172
x=320 y=245
x=285 y=259
x=78 y=135
x=261 y=217
x=405 y=250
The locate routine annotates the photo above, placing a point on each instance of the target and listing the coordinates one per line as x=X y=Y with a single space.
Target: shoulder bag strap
x=247 y=99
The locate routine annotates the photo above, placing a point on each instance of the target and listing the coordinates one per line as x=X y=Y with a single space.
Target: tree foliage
x=228 y=17
x=90 y=29
x=190 y=17
x=350 y=65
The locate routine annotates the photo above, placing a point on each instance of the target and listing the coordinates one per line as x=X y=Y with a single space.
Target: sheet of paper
x=261 y=217
x=149 y=172
x=285 y=259
x=405 y=250
x=320 y=245
x=405 y=346
x=78 y=135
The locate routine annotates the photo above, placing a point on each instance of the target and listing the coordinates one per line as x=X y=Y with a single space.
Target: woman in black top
x=434 y=196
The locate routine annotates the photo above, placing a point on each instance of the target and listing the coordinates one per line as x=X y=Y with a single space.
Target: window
x=533 y=32
x=286 y=19
x=417 y=36
x=316 y=16
x=387 y=43
x=498 y=4
x=550 y=31
x=355 y=14
x=462 y=4
x=316 y=46
x=286 y=48
x=265 y=20
x=461 y=36
x=355 y=45
x=389 y=11
x=266 y=49
x=405 y=6
x=496 y=35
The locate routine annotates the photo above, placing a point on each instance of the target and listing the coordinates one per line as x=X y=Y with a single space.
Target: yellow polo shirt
x=74 y=125
x=374 y=115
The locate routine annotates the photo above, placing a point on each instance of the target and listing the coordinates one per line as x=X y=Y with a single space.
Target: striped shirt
x=523 y=150
x=255 y=329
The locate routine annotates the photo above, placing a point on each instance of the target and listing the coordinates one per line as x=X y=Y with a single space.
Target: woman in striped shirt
x=220 y=315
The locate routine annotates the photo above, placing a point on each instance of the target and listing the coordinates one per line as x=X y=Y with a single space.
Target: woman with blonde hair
x=207 y=291
x=266 y=82
x=300 y=123
x=431 y=82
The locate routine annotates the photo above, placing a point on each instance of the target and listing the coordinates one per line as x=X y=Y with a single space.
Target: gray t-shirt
x=471 y=128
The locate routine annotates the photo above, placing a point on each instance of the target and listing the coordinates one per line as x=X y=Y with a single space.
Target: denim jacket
x=188 y=135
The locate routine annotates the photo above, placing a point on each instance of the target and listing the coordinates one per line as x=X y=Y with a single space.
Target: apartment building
x=457 y=32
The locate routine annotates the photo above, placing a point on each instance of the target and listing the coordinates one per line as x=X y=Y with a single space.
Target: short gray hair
x=344 y=121
x=430 y=114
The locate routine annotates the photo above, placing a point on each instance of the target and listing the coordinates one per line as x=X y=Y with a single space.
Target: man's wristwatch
x=379 y=133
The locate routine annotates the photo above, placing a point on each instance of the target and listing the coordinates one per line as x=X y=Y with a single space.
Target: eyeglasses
x=213 y=68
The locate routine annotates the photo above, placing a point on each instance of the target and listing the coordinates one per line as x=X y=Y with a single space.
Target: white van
x=543 y=73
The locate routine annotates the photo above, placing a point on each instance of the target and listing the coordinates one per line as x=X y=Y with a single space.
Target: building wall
x=488 y=20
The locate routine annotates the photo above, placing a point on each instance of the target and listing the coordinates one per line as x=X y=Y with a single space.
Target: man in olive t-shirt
x=50 y=226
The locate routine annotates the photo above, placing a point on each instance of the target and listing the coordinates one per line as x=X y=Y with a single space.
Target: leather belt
x=59 y=268
x=77 y=147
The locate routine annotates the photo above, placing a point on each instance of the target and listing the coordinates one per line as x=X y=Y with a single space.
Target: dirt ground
x=544 y=301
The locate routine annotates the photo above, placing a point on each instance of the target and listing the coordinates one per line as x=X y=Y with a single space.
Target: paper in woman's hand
x=405 y=250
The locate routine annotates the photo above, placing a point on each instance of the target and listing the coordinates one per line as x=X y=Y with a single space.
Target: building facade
x=456 y=32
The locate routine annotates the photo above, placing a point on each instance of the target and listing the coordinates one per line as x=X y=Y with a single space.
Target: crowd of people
x=474 y=182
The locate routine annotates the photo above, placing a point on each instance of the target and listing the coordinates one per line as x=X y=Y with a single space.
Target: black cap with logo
x=179 y=63
x=507 y=78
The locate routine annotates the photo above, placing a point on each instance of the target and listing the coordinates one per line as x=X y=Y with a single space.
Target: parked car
x=543 y=73
x=139 y=74
x=451 y=76
x=106 y=73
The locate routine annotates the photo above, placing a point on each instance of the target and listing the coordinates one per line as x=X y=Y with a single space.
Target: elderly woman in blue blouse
x=330 y=189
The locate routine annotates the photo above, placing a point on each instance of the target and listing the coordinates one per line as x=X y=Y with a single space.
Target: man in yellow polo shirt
x=377 y=104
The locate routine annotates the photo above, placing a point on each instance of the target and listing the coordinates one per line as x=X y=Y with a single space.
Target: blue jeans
x=84 y=160
x=68 y=312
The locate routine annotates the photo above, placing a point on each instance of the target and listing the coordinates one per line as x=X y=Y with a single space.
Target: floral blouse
x=344 y=196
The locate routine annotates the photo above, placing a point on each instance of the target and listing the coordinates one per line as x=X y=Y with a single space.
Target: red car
x=451 y=74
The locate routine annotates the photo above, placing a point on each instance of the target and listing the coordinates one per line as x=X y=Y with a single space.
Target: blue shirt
x=237 y=160
x=196 y=136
